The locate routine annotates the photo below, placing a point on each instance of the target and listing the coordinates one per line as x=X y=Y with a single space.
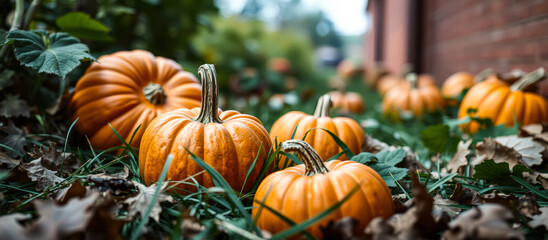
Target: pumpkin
x=348 y=130
x=348 y=69
x=129 y=89
x=502 y=104
x=346 y=102
x=409 y=98
x=461 y=81
x=226 y=140
x=306 y=190
x=389 y=82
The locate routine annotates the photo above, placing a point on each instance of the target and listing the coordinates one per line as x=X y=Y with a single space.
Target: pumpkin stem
x=155 y=94
x=413 y=79
x=209 y=110
x=528 y=79
x=323 y=106
x=481 y=76
x=312 y=161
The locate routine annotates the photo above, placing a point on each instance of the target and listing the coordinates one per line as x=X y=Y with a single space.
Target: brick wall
x=473 y=35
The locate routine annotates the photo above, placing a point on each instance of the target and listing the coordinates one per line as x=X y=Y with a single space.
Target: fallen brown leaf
x=75 y=190
x=488 y=221
x=118 y=187
x=540 y=219
x=465 y=196
x=139 y=203
x=7 y=162
x=459 y=159
x=55 y=160
x=43 y=177
x=13 y=137
x=528 y=205
x=444 y=205
x=343 y=229
x=10 y=228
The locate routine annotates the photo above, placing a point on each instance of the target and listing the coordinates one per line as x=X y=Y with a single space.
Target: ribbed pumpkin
x=348 y=130
x=460 y=81
x=128 y=89
x=389 y=82
x=502 y=103
x=304 y=191
x=228 y=141
x=346 y=102
x=409 y=98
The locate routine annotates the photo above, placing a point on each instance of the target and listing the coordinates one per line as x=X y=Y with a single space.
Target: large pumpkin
x=304 y=191
x=409 y=98
x=128 y=90
x=460 y=81
x=503 y=104
x=228 y=141
x=348 y=130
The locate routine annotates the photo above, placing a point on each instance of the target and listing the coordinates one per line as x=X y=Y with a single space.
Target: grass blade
x=441 y=182
x=527 y=185
x=339 y=142
x=250 y=170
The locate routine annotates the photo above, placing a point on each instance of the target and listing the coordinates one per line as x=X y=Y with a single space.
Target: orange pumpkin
x=348 y=130
x=389 y=82
x=304 y=191
x=460 y=81
x=347 y=102
x=502 y=103
x=228 y=141
x=128 y=90
x=409 y=98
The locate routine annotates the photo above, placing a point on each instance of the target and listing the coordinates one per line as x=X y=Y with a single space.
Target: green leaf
x=438 y=139
x=389 y=174
x=56 y=53
x=391 y=157
x=365 y=158
x=80 y=25
x=499 y=172
x=3 y=38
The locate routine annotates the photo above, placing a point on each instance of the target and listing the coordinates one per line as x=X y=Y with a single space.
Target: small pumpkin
x=348 y=69
x=409 y=98
x=308 y=189
x=460 y=81
x=347 y=129
x=228 y=141
x=346 y=102
x=502 y=103
x=389 y=82
x=129 y=89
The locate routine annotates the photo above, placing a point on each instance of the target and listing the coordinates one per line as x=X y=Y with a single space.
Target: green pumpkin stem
x=209 y=110
x=155 y=94
x=413 y=79
x=312 y=161
x=481 y=76
x=528 y=79
x=323 y=106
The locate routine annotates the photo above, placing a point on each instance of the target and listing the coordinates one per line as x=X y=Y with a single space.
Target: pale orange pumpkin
x=460 y=81
x=347 y=129
x=389 y=82
x=409 y=98
x=228 y=141
x=129 y=89
x=304 y=191
x=345 y=102
x=503 y=104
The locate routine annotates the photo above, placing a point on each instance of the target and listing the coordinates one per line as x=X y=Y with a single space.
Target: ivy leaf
x=12 y=106
x=499 y=172
x=81 y=25
x=438 y=139
x=365 y=158
x=389 y=174
x=56 y=53
x=391 y=157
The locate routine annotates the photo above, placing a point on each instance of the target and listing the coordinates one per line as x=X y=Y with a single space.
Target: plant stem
x=483 y=75
x=35 y=4
x=154 y=93
x=413 y=79
x=323 y=106
x=209 y=111
x=312 y=161
x=528 y=79
x=17 y=22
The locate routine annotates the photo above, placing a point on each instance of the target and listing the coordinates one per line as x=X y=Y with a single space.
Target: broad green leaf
x=391 y=157
x=389 y=174
x=365 y=158
x=81 y=25
x=499 y=172
x=56 y=53
x=3 y=38
x=438 y=139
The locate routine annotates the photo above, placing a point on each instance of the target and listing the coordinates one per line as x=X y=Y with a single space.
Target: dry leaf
x=529 y=150
x=13 y=106
x=118 y=187
x=373 y=145
x=76 y=189
x=10 y=227
x=54 y=160
x=540 y=219
x=139 y=203
x=190 y=226
x=43 y=177
x=13 y=137
x=465 y=196
x=7 y=162
x=528 y=205
x=459 y=159
x=535 y=177
x=444 y=205
x=488 y=221
x=103 y=224
x=344 y=229
x=507 y=200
